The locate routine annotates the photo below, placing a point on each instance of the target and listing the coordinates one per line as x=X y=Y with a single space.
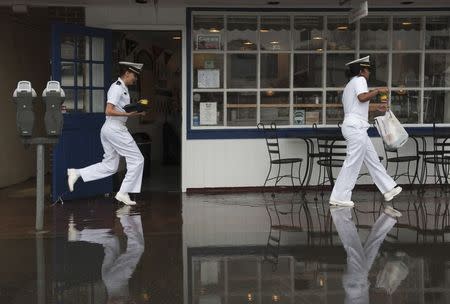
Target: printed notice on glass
x=208 y=113
x=208 y=78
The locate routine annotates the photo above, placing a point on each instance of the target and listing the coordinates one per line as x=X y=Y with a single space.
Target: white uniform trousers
x=117 y=267
x=359 y=258
x=117 y=141
x=360 y=150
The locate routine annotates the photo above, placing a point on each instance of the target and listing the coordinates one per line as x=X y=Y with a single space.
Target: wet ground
x=226 y=249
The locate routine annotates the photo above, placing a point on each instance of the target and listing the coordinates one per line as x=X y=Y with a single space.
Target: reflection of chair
x=273 y=148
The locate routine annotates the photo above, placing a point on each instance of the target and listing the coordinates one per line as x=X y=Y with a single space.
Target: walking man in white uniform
x=355 y=99
x=116 y=140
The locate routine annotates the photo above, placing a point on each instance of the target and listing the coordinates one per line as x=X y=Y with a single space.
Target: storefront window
x=275 y=33
x=406 y=35
x=341 y=35
x=437 y=35
x=208 y=109
x=405 y=70
x=289 y=68
x=241 y=34
x=275 y=107
x=436 y=106
x=308 y=33
x=336 y=69
x=308 y=70
x=208 y=33
x=307 y=108
x=437 y=70
x=208 y=71
x=374 y=33
x=241 y=109
x=275 y=70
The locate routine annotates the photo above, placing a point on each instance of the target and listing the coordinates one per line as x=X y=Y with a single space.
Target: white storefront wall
x=207 y=163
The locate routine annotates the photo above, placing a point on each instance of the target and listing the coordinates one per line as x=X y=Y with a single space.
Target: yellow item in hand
x=144 y=102
x=383 y=97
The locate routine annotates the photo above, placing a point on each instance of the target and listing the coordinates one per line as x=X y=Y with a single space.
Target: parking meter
x=53 y=97
x=24 y=97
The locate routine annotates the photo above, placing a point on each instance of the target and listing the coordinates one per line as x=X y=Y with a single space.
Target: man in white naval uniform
x=116 y=140
x=360 y=258
x=355 y=99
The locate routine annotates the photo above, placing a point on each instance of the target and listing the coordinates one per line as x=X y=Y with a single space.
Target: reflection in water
x=117 y=267
x=360 y=258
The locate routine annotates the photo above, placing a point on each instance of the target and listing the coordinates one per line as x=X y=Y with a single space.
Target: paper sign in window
x=208 y=113
x=208 y=78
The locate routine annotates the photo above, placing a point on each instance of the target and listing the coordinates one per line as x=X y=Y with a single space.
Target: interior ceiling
x=228 y=3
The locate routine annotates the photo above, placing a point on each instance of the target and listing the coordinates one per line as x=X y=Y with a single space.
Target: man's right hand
x=383 y=90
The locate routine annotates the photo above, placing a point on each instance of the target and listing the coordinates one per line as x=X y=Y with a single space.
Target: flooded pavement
x=227 y=249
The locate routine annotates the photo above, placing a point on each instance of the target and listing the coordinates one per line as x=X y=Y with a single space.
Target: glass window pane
x=405 y=105
x=336 y=69
x=67 y=73
x=437 y=71
x=69 y=103
x=374 y=33
x=83 y=75
x=335 y=111
x=307 y=108
x=241 y=71
x=405 y=70
x=241 y=109
x=98 y=49
x=436 y=107
x=275 y=107
x=341 y=35
x=98 y=75
x=242 y=35
x=83 y=100
x=210 y=69
x=406 y=35
x=437 y=36
x=98 y=101
x=275 y=33
x=308 y=33
x=67 y=46
x=208 y=32
x=206 y=106
x=308 y=70
x=83 y=48
x=379 y=71
x=275 y=70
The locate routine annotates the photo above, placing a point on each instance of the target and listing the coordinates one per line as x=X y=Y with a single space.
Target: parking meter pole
x=40 y=184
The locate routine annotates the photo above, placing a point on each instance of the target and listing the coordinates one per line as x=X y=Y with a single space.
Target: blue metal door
x=81 y=61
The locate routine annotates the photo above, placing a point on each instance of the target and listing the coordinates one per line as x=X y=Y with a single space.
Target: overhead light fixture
x=214 y=30
x=274 y=42
x=317 y=38
x=248 y=43
x=20 y=8
x=176 y=38
x=406 y=23
x=342 y=27
x=263 y=30
x=319 y=50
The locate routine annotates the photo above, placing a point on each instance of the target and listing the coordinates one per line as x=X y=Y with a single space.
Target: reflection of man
x=360 y=258
x=117 y=268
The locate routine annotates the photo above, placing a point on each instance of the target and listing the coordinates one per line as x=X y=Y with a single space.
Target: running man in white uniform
x=116 y=140
x=356 y=99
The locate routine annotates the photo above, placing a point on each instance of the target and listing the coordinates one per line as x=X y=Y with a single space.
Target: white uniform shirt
x=352 y=106
x=119 y=96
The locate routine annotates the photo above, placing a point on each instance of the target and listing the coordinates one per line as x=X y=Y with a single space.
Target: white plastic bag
x=391 y=130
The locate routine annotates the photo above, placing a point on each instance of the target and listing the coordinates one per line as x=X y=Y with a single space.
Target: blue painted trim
x=192 y=134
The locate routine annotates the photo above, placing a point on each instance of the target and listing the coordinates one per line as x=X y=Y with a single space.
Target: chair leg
x=268 y=174
x=278 y=175
x=292 y=174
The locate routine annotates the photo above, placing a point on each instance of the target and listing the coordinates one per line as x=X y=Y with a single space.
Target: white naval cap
x=362 y=62
x=132 y=66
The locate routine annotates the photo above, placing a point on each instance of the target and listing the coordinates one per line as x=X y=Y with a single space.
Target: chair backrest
x=271 y=136
x=331 y=145
x=441 y=141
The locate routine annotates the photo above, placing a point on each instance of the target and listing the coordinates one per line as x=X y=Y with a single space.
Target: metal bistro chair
x=393 y=156
x=273 y=148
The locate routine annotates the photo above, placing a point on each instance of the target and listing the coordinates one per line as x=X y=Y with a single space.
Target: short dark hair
x=122 y=70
